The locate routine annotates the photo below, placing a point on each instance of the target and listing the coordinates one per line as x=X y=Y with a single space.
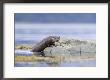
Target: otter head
x=55 y=38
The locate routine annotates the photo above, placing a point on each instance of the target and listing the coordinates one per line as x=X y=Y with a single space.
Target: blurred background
x=33 y=27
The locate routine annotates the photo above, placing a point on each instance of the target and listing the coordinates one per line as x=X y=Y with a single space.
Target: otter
x=47 y=42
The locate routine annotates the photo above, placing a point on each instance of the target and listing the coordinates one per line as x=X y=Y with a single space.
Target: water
x=28 y=33
x=77 y=63
x=23 y=53
x=83 y=63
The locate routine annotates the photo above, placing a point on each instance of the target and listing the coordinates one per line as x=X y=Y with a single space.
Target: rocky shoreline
x=66 y=47
x=65 y=50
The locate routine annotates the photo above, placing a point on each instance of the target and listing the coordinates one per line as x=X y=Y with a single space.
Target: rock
x=56 y=51
x=71 y=47
x=74 y=51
